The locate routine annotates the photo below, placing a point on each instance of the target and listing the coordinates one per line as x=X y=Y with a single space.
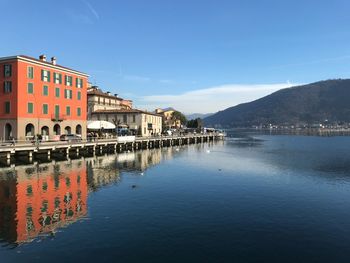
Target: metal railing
x=58 y=117
x=37 y=142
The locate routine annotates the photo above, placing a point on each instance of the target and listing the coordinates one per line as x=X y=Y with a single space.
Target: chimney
x=108 y=93
x=115 y=95
x=53 y=60
x=42 y=57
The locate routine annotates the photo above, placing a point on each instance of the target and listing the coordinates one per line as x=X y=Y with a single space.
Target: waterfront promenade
x=9 y=151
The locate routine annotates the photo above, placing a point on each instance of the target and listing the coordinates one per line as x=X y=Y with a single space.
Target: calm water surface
x=255 y=198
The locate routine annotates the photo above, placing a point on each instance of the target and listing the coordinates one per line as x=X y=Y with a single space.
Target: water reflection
x=39 y=199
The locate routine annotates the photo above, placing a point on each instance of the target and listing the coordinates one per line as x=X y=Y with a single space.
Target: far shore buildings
x=99 y=100
x=168 y=118
x=41 y=97
x=103 y=106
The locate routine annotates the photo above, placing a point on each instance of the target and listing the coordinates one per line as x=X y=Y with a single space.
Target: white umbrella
x=98 y=125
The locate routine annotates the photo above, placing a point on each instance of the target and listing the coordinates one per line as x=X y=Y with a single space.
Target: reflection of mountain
x=38 y=200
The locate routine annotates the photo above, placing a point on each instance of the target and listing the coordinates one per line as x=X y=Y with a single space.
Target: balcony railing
x=58 y=117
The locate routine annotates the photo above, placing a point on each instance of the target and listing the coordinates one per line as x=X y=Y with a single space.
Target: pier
x=51 y=149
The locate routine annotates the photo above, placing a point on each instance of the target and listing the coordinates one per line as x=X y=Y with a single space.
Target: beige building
x=139 y=122
x=99 y=100
x=170 y=122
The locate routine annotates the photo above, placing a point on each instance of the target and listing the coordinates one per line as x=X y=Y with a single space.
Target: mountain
x=198 y=115
x=316 y=102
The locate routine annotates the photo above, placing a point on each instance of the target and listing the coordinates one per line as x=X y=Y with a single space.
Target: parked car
x=122 y=131
x=70 y=138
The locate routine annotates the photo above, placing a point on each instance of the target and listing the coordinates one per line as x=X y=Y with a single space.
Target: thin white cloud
x=87 y=16
x=210 y=99
x=92 y=10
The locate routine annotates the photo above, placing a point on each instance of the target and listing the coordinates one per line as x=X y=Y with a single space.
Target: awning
x=98 y=125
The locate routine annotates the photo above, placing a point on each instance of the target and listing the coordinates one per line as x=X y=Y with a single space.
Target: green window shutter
x=76 y=82
x=48 y=76
x=45 y=90
x=79 y=111
x=79 y=95
x=60 y=78
x=45 y=109
x=30 y=88
x=65 y=80
x=57 y=111
x=54 y=77
x=6 y=70
x=7 y=107
x=57 y=92
x=65 y=93
x=42 y=75
x=68 y=110
x=81 y=83
x=70 y=94
x=7 y=86
x=30 y=72
x=30 y=107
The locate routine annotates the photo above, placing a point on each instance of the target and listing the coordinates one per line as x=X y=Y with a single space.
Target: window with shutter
x=7 y=107
x=45 y=90
x=7 y=70
x=30 y=107
x=45 y=75
x=30 y=72
x=57 y=92
x=7 y=86
x=68 y=110
x=30 y=88
x=45 y=109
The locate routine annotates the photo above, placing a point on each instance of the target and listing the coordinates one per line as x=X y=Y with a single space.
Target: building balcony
x=58 y=117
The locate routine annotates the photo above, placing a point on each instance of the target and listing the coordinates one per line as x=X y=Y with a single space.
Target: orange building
x=37 y=205
x=41 y=97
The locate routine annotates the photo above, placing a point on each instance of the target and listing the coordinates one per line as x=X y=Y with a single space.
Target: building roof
x=169 y=109
x=45 y=63
x=122 y=111
x=100 y=93
x=162 y=111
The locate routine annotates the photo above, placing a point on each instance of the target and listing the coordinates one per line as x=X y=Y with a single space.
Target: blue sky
x=197 y=56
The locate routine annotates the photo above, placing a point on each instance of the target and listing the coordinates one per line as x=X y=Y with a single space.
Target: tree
x=179 y=116
x=196 y=123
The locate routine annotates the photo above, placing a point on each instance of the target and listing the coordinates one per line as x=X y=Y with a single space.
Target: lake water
x=252 y=198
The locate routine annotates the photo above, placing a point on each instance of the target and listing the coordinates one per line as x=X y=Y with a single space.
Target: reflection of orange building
x=39 y=203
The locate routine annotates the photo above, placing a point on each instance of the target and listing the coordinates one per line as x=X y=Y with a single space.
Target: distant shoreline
x=304 y=131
